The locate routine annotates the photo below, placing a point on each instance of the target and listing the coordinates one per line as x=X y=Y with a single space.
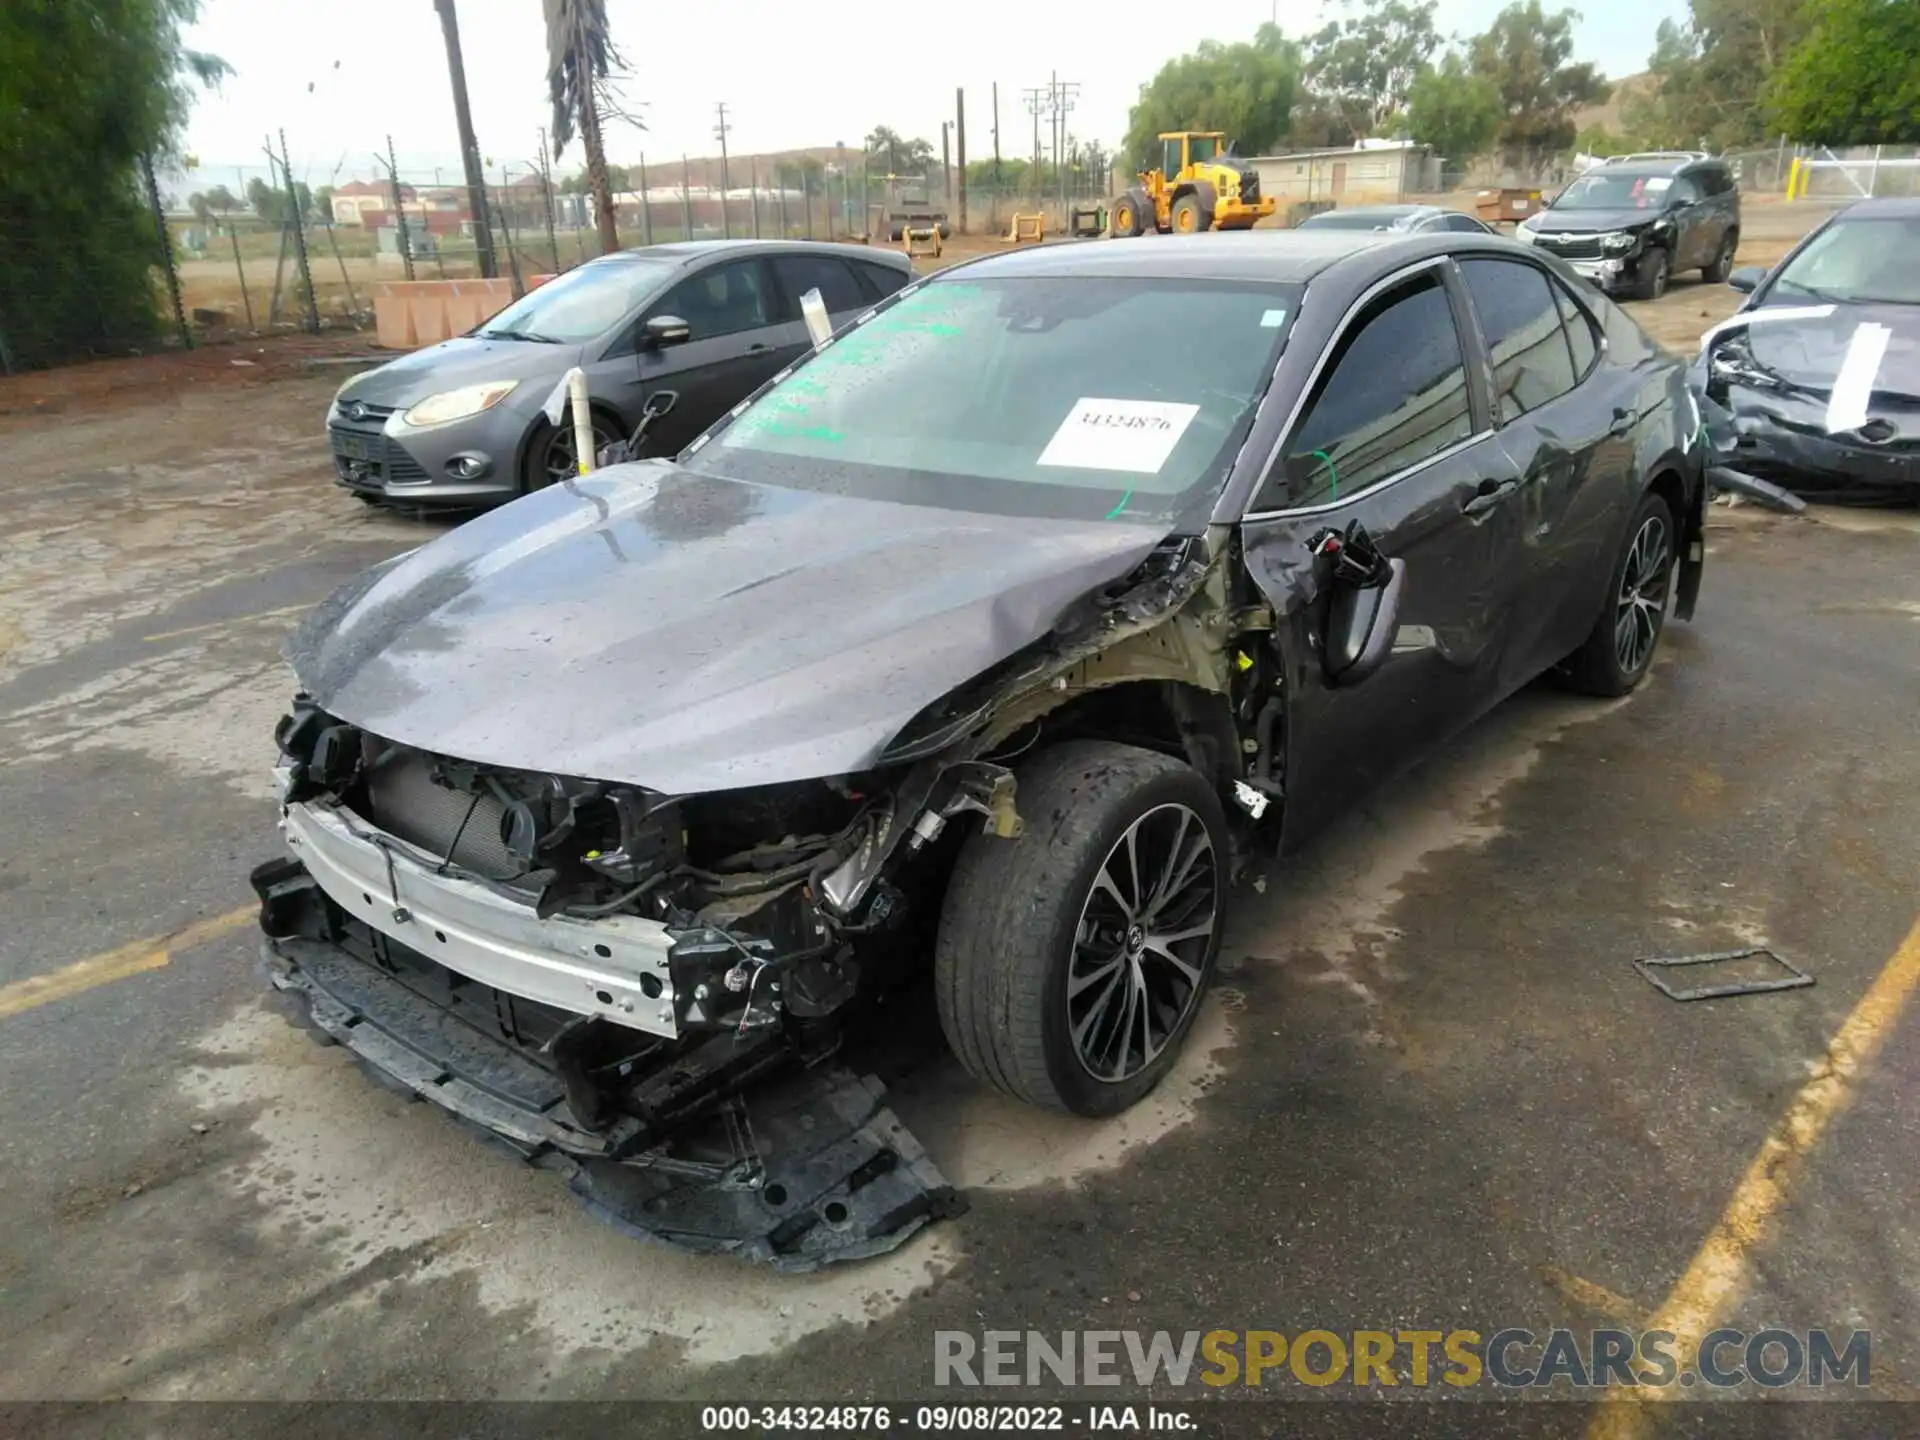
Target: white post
x=582 y=419
x=1873 y=182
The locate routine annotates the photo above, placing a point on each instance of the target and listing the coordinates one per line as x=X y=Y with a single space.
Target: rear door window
x=879 y=281
x=1581 y=338
x=1393 y=396
x=825 y=273
x=1526 y=341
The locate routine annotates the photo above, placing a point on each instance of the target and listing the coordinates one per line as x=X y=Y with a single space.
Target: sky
x=793 y=73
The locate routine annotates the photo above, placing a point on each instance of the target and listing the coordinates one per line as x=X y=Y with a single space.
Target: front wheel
x=550 y=454
x=1619 y=650
x=1656 y=267
x=1125 y=218
x=1072 y=960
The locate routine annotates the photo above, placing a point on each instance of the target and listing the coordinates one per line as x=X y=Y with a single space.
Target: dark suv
x=1630 y=222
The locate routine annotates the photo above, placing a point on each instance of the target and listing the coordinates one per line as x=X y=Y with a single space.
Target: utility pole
x=996 y=136
x=720 y=133
x=753 y=192
x=960 y=147
x=469 y=146
x=1062 y=97
x=1036 y=101
x=299 y=223
x=686 y=197
x=946 y=160
x=400 y=210
x=646 y=204
x=546 y=200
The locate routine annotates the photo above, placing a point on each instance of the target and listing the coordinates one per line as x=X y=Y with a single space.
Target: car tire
x=551 y=446
x=1655 y=270
x=1026 y=919
x=1617 y=654
x=1722 y=266
x=1125 y=220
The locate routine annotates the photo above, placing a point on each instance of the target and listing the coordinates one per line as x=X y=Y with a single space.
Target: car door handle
x=1623 y=420
x=1490 y=494
x=758 y=347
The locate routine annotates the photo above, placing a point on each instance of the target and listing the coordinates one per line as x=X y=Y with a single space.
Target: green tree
x=87 y=88
x=323 y=204
x=1854 y=77
x=1364 y=65
x=222 y=201
x=1454 y=110
x=1710 y=74
x=887 y=150
x=1527 y=54
x=1246 y=89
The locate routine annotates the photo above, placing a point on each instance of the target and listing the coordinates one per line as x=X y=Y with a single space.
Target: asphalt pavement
x=1430 y=1091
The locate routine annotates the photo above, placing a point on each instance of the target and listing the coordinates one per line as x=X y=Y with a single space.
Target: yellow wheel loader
x=1200 y=184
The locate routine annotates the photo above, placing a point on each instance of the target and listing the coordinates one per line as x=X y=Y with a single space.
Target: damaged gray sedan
x=978 y=649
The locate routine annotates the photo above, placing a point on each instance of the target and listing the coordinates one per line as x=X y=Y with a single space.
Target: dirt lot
x=1430 y=1091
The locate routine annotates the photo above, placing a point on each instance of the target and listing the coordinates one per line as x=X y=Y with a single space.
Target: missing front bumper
x=751 y=1155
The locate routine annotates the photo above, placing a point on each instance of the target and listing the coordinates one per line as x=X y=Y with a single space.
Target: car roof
x=1888 y=207
x=1384 y=211
x=689 y=251
x=1283 y=256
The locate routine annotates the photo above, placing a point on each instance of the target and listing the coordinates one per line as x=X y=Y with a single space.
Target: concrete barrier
x=408 y=314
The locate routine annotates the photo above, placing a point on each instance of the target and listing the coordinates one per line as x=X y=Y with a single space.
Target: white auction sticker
x=1131 y=435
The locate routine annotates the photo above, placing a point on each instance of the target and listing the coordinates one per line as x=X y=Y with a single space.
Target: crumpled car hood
x=1809 y=352
x=686 y=632
x=1591 y=222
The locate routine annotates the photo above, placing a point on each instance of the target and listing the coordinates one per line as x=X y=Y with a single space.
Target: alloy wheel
x=1642 y=606
x=561 y=462
x=1140 y=948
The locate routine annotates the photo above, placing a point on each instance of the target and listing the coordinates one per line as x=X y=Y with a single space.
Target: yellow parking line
x=1592 y=1295
x=1718 y=1275
x=130 y=959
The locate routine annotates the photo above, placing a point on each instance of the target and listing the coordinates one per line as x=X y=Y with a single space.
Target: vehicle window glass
x=571 y=309
x=720 y=300
x=1171 y=161
x=801 y=273
x=1580 y=337
x=1466 y=223
x=880 y=280
x=1525 y=339
x=1026 y=396
x=1607 y=188
x=1859 y=259
x=1685 y=191
x=1202 y=149
x=1393 y=395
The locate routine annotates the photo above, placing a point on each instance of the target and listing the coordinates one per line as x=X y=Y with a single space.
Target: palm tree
x=580 y=61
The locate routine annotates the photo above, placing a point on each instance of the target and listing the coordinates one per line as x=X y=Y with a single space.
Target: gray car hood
x=685 y=632
x=463 y=360
x=1592 y=222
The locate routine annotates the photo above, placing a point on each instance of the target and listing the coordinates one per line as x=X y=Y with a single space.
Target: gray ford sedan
x=462 y=425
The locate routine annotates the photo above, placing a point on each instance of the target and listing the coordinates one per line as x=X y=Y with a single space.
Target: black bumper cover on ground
x=807 y=1169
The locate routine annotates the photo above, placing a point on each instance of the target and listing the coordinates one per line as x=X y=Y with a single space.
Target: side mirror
x=1361 y=625
x=664 y=330
x=1747 y=278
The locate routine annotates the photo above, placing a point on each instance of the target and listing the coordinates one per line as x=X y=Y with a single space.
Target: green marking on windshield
x=1114 y=513
x=1333 y=474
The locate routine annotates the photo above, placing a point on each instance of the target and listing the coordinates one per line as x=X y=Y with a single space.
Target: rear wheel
x=1071 y=961
x=1190 y=216
x=1656 y=267
x=1619 y=651
x=1722 y=266
x=550 y=454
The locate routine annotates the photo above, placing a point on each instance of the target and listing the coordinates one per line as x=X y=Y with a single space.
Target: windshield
x=1203 y=148
x=1868 y=259
x=1115 y=398
x=571 y=309
x=1615 y=190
